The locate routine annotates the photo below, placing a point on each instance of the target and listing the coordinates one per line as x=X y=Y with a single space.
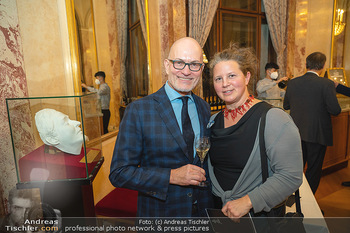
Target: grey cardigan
x=283 y=147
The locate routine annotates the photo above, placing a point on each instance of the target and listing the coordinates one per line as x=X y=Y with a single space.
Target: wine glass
x=202 y=145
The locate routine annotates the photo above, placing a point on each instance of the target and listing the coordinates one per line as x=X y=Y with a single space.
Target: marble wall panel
x=291 y=38
x=114 y=62
x=179 y=19
x=155 y=53
x=12 y=84
x=309 y=30
x=319 y=28
x=166 y=38
x=300 y=37
x=89 y=62
x=172 y=16
x=42 y=48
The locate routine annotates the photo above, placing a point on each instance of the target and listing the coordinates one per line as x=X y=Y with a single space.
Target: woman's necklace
x=239 y=110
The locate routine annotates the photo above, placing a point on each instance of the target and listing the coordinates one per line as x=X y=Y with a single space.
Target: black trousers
x=313 y=156
x=106 y=116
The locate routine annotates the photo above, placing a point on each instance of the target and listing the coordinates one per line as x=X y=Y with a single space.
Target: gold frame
x=329 y=76
x=73 y=44
x=335 y=4
x=150 y=85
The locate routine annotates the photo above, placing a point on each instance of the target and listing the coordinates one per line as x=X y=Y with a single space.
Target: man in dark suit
x=312 y=100
x=153 y=154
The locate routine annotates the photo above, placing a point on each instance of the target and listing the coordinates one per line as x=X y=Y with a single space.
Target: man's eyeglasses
x=180 y=65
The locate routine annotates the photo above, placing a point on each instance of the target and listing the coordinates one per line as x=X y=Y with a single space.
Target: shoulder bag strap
x=262 y=146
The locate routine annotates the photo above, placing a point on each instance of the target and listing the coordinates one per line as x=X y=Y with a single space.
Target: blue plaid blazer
x=148 y=146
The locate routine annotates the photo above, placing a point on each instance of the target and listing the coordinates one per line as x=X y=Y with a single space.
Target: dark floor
x=332 y=197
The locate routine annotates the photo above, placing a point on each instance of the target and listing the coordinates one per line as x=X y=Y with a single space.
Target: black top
x=232 y=146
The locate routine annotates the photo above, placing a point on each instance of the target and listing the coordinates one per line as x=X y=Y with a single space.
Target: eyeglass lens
x=179 y=65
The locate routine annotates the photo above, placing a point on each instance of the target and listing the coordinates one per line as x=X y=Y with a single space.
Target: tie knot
x=184 y=99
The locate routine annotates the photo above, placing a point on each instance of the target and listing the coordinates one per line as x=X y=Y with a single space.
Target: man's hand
x=84 y=85
x=237 y=208
x=187 y=175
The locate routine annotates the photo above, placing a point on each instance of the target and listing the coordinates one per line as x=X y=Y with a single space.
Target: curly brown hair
x=245 y=57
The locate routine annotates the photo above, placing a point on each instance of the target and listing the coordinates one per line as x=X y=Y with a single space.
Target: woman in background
x=235 y=167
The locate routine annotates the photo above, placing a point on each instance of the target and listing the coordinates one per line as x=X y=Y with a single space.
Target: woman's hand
x=237 y=208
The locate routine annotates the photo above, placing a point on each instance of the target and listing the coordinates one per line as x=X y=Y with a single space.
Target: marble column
x=300 y=37
x=297 y=35
x=172 y=26
x=291 y=38
x=114 y=60
x=12 y=84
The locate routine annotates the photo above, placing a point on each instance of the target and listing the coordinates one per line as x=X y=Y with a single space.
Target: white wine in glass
x=202 y=145
x=202 y=152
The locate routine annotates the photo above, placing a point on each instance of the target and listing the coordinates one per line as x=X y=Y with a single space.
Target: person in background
x=312 y=100
x=104 y=94
x=268 y=87
x=234 y=164
x=154 y=152
x=344 y=90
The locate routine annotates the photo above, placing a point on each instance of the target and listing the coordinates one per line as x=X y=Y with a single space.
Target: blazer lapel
x=166 y=112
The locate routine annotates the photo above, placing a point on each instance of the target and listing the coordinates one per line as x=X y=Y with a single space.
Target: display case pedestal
x=74 y=197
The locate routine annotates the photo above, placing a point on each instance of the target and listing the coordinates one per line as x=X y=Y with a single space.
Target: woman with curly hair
x=235 y=164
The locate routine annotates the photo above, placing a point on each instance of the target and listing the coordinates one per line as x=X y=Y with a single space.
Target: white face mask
x=97 y=82
x=274 y=75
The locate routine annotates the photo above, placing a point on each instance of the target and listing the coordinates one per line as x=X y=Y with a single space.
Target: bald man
x=154 y=152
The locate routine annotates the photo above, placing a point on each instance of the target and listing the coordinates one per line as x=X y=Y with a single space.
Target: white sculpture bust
x=56 y=129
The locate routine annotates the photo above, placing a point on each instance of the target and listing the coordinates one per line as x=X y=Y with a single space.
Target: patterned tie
x=187 y=130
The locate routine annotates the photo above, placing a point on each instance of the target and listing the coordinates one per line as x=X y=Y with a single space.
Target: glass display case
x=56 y=138
x=344 y=103
x=275 y=102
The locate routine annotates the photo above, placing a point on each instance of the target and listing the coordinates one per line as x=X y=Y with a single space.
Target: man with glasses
x=154 y=152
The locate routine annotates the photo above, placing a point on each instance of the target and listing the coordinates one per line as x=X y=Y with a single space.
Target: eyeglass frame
x=186 y=64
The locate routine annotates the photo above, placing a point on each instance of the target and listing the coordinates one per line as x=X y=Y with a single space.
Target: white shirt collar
x=310 y=71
